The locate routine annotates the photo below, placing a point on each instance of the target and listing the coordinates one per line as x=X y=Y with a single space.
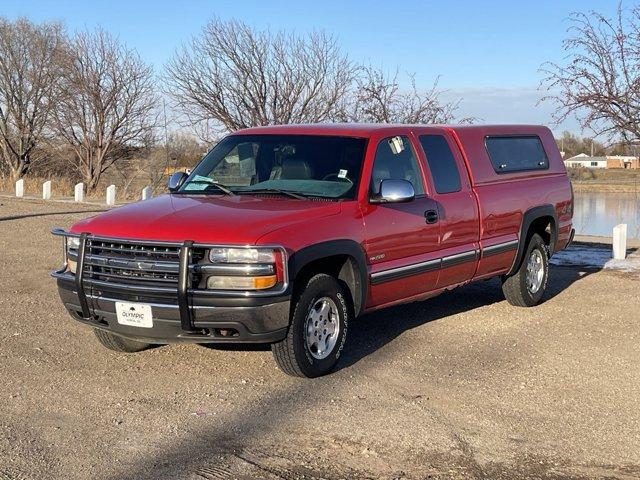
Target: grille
x=133 y=264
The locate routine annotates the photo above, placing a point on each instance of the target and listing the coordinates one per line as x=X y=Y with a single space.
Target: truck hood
x=204 y=219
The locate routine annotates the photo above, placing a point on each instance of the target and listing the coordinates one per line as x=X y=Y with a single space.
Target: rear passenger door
x=458 y=215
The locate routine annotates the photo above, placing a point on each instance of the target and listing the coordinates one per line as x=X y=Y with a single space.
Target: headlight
x=236 y=268
x=73 y=243
x=241 y=255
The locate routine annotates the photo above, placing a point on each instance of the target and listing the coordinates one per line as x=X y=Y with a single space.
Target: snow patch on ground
x=595 y=257
x=630 y=264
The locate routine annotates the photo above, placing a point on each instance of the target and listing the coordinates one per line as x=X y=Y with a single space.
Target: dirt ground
x=461 y=386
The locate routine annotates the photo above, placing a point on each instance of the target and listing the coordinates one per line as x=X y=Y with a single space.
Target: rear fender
x=529 y=217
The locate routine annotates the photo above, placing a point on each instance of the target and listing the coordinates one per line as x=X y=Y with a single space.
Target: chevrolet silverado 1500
x=284 y=234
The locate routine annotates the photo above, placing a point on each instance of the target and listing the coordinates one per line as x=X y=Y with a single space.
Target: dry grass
x=604 y=174
x=605 y=180
x=596 y=186
x=62 y=187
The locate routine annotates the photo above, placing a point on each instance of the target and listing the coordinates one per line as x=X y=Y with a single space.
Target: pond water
x=596 y=213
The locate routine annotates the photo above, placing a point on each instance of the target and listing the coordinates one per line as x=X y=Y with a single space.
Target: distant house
x=621 y=161
x=585 y=161
x=610 y=161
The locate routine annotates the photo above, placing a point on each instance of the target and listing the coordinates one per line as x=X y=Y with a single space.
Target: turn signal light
x=72 y=266
x=241 y=283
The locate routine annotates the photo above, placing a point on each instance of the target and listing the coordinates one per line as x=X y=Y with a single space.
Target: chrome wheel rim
x=535 y=271
x=322 y=327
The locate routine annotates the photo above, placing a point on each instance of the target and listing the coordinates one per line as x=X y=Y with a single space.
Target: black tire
x=515 y=287
x=293 y=355
x=118 y=343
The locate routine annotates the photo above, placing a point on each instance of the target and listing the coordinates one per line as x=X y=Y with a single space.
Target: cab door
x=457 y=207
x=401 y=238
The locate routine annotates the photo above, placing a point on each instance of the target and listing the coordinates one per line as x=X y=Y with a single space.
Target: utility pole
x=166 y=133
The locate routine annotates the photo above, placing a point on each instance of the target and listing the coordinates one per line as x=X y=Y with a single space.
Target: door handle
x=431 y=216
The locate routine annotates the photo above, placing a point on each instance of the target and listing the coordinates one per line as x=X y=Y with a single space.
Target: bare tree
x=151 y=166
x=573 y=145
x=378 y=98
x=183 y=149
x=599 y=80
x=107 y=109
x=238 y=77
x=28 y=82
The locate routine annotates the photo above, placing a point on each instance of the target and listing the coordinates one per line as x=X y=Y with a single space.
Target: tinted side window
x=442 y=165
x=516 y=154
x=395 y=160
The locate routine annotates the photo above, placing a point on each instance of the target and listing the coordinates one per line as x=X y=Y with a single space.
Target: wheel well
x=342 y=267
x=544 y=226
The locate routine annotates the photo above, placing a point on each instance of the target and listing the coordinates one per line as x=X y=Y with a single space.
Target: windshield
x=294 y=165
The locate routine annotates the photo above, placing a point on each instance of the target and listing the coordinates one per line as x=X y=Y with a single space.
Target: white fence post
x=78 y=193
x=20 y=188
x=111 y=195
x=620 y=241
x=46 y=190
x=147 y=192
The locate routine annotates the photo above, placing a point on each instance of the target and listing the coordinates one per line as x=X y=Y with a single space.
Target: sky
x=485 y=53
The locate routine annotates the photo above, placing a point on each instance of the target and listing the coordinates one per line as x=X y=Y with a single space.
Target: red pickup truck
x=284 y=234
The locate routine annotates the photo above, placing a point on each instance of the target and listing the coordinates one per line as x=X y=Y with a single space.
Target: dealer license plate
x=134 y=314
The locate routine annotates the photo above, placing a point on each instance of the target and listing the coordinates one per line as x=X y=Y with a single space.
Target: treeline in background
x=83 y=106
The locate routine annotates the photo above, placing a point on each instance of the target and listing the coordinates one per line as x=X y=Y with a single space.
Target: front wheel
x=526 y=287
x=317 y=330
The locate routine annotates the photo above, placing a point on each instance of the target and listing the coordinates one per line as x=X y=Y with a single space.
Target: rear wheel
x=526 y=287
x=118 y=343
x=317 y=330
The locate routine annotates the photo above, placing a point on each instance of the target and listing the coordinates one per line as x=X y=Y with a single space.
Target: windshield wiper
x=218 y=185
x=291 y=194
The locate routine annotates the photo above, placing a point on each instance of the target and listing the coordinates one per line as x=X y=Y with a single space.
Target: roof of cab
x=344 y=129
x=366 y=129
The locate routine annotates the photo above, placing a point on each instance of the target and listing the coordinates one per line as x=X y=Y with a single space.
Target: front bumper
x=181 y=312
x=250 y=319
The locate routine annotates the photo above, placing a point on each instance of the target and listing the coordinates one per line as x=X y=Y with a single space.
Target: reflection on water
x=596 y=213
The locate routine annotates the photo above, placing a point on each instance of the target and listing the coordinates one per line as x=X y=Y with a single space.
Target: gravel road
x=461 y=386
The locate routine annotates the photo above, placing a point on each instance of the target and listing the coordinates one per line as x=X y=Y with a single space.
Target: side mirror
x=395 y=191
x=176 y=180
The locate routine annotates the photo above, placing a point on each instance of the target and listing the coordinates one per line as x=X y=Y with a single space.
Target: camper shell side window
x=516 y=153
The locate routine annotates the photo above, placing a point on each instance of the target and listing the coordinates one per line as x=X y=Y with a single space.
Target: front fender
x=303 y=257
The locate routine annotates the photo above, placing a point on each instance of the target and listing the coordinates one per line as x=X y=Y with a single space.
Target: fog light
x=241 y=283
